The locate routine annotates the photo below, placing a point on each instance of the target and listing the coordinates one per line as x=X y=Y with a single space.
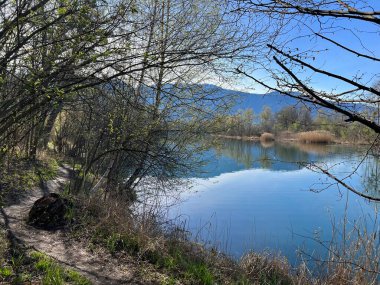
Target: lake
x=253 y=196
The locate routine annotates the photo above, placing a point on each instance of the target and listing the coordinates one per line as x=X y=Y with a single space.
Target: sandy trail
x=100 y=267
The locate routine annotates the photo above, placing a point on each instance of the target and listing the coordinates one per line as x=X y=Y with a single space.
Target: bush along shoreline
x=309 y=137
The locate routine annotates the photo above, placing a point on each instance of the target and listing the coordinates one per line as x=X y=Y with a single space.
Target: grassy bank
x=182 y=261
x=171 y=252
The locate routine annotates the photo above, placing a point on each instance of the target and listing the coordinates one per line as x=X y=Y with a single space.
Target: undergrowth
x=18 y=175
x=110 y=225
x=20 y=266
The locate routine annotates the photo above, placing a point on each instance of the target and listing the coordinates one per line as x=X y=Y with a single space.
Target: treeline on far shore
x=293 y=119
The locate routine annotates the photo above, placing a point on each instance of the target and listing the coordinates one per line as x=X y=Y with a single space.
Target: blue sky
x=361 y=36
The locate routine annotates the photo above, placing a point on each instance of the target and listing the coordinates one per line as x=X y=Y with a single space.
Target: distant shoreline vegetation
x=312 y=137
x=291 y=123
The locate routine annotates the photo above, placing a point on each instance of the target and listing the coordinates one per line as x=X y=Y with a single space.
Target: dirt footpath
x=100 y=267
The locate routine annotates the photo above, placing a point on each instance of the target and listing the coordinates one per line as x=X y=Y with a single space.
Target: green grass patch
x=23 y=174
x=200 y=273
x=177 y=263
x=54 y=274
x=19 y=267
x=115 y=242
x=48 y=169
x=6 y=272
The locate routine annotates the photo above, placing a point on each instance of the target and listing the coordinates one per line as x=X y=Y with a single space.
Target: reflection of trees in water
x=248 y=153
x=371 y=175
x=267 y=144
x=291 y=153
x=266 y=155
x=240 y=151
x=313 y=148
x=279 y=156
x=265 y=162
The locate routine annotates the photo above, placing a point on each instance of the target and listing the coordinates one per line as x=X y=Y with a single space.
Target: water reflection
x=257 y=196
x=235 y=155
x=371 y=176
x=318 y=149
x=266 y=144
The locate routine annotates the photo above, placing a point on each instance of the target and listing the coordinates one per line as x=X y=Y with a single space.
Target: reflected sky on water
x=254 y=196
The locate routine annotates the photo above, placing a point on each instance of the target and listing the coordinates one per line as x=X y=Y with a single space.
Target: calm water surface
x=254 y=196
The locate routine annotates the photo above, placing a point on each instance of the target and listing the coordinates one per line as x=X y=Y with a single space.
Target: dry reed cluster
x=267 y=137
x=316 y=137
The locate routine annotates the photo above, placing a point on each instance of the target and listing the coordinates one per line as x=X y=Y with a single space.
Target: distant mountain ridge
x=245 y=100
x=275 y=100
x=256 y=102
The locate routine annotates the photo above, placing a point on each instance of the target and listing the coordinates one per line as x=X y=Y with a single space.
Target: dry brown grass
x=267 y=137
x=111 y=225
x=267 y=268
x=316 y=137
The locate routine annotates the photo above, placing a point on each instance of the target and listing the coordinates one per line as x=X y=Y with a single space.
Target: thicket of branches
x=111 y=83
x=297 y=69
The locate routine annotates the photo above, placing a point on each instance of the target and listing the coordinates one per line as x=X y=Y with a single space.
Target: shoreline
x=291 y=140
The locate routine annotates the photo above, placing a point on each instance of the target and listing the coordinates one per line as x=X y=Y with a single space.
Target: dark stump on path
x=49 y=212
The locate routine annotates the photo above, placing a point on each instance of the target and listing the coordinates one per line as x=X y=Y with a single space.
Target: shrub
x=266 y=268
x=267 y=137
x=316 y=137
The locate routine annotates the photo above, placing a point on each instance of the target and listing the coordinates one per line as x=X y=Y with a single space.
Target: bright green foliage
x=6 y=272
x=54 y=274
